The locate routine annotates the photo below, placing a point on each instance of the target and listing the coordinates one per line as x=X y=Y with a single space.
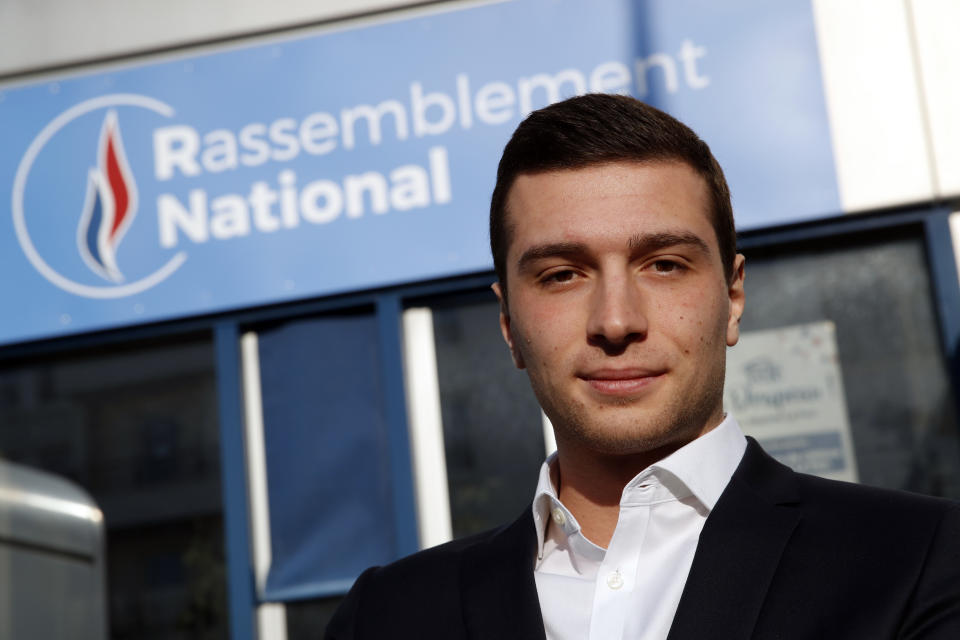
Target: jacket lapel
x=499 y=592
x=739 y=550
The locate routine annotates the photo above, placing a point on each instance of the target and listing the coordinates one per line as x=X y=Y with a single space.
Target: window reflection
x=877 y=292
x=136 y=426
x=491 y=421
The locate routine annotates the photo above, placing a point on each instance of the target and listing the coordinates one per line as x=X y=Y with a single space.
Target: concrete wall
x=39 y=34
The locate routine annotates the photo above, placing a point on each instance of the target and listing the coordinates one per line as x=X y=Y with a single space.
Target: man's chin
x=628 y=437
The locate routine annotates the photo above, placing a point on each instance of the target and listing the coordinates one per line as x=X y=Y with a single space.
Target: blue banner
x=362 y=157
x=327 y=455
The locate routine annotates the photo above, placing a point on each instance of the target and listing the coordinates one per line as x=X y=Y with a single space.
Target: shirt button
x=615 y=580
x=558 y=517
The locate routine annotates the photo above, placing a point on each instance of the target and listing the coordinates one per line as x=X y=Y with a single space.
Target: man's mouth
x=621 y=382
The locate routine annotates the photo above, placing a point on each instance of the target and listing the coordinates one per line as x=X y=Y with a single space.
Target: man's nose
x=617 y=314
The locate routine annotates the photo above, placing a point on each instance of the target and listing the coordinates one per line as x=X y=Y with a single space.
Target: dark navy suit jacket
x=782 y=555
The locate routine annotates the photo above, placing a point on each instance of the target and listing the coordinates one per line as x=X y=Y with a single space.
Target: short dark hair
x=597 y=129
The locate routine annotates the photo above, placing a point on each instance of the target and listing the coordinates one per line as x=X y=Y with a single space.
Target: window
x=876 y=290
x=137 y=427
x=492 y=428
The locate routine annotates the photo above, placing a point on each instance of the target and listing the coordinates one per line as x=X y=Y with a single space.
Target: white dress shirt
x=632 y=588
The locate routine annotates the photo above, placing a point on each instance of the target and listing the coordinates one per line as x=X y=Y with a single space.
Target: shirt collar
x=546 y=501
x=703 y=466
x=706 y=464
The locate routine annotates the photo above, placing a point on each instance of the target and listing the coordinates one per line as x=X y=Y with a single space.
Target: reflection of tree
x=204 y=614
x=492 y=430
x=936 y=452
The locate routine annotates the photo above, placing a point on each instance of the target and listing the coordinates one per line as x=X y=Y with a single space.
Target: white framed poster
x=785 y=388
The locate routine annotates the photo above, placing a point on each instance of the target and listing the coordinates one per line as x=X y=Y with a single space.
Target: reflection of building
x=138 y=429
x=317 y=382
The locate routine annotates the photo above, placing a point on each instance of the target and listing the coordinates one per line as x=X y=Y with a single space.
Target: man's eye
x=560 y=276
x=666 y=266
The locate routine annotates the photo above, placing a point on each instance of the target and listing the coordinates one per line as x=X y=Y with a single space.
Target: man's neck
x=590 y=484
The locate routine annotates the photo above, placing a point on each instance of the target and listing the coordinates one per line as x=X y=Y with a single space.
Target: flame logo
x=110 y=204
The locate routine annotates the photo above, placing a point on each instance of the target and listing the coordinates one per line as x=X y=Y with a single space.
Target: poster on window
x=785 y=388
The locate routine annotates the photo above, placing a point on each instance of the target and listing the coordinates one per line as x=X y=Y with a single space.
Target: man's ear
x=505 y=327
x=737 y=298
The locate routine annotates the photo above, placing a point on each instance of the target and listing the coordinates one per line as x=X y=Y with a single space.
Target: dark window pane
x=307 y=619
x=898 y=395
x=491 y=420
x=137 y=427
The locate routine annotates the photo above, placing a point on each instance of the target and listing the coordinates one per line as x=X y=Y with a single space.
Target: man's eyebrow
x=550 y=250
x=638 y=244
x=647 y=242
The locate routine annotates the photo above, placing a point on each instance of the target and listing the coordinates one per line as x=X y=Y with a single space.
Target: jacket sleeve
x=934 y=612
x=343 y=625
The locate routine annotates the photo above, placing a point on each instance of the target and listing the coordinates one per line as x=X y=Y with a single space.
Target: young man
x=620 y=290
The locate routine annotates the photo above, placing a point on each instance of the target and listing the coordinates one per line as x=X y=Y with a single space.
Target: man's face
x=618 y=304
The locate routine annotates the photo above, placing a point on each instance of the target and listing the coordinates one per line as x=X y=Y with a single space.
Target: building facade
x=247 y=275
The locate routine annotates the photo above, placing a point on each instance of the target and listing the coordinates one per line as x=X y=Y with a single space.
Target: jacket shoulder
x=860 y=561
x=835 y=501
x=420 y=591
x=439 y=563
x=847 y=500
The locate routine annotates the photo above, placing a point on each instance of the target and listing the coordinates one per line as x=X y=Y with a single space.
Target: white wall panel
x=955 y=237
x=872 y=91
x=937 y=29
x=426 y=428
x=271 y=617
x=43 y=33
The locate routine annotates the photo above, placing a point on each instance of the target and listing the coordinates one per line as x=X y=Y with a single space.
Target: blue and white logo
x=100 y=222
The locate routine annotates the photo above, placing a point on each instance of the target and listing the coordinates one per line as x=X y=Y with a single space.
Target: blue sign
x=364 y=157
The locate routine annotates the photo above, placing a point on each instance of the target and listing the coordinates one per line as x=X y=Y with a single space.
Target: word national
x=266 y=209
